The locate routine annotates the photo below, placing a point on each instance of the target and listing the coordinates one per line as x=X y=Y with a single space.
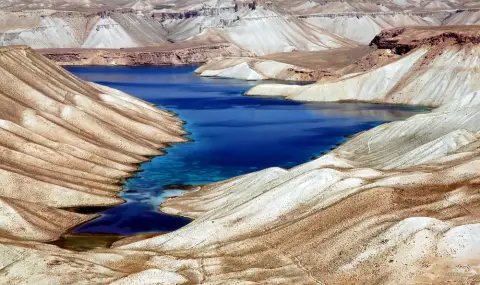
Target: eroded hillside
x=434 y=66
x=260 y=27
x=393 y=205
x=66 y=143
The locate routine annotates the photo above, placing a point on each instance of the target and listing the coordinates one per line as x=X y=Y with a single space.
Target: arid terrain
x=202 y=30
x=393 y=205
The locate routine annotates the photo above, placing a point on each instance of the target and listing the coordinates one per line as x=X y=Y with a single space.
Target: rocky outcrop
x=440 y=69
x=145 y=56
x=67 y=143
x=403 y=40
x=362 y=27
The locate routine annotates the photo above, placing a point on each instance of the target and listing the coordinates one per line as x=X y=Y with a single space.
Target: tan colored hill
x=66 y=143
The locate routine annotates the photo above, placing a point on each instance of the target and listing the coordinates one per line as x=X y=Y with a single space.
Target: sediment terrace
x=174 y=54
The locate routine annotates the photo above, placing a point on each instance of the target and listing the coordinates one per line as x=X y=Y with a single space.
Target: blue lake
x=232 y=135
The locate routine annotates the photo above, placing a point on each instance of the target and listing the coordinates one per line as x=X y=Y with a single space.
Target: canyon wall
x=143 y=56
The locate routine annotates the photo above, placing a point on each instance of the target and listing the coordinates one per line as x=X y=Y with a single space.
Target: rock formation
x=438 y=66
x=299 y=66
x=258 y=27
x=394 y=205
x=66 y=143
x=165 y=55
x=247 y=68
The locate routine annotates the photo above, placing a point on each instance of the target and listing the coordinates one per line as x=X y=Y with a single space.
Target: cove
x=231 y=135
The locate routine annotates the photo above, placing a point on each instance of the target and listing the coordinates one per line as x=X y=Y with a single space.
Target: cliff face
x=262 y=27
x=66 y=143
x=145 y=56
x=403 y=40
x=106 y=29
x=42 y=29
x=362 y=27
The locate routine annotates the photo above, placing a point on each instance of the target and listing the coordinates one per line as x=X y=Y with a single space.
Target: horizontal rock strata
x=144 y=56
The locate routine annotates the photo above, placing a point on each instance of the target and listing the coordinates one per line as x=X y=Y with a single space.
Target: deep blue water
x=233 y=135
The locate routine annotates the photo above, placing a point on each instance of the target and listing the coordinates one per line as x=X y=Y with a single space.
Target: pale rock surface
x=431 y=75
x=66 y=143
x=396 y=204
x=255 y=69
x=50 y=29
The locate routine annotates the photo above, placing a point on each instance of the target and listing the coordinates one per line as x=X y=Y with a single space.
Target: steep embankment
x=440 y=66
x=264 y=31
x=166 y=55
x=66 y=143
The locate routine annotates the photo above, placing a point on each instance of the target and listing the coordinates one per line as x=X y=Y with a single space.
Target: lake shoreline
x=235 y=99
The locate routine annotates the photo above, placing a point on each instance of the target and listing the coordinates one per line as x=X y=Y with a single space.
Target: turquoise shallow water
x=233 y=135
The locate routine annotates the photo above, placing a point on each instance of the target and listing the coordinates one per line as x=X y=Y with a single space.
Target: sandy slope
x=66 y=143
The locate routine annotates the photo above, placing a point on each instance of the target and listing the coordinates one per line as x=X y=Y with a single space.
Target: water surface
x=233 y=135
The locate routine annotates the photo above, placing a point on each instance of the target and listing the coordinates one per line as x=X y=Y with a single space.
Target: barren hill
x=393 y=205
x=261 y=27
